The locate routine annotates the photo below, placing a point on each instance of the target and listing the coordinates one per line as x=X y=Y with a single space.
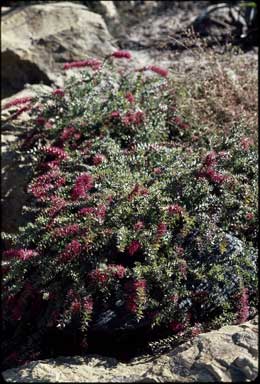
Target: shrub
x=131 y=223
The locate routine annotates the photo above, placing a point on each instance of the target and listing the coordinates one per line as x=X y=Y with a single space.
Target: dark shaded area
x=15 y=73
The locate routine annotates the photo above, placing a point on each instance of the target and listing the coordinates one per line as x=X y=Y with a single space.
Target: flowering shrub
x=128 y=217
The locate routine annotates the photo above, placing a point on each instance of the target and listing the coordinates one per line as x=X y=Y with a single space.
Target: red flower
x=115 y=114
x=22 y=254
x=86 y=211
x=98 y=159
x=138 y=191
x=75 y=306
x=72 y=250
x=210 y=159
x=22 y=100
x=58 y=92
x=121 y=55
x=157 y=170
x=117 y=270
x=139 y=225
x=45 y=183
x=71 y=229
x=40 y=120
x=243 y=307
x=160 y=71
x=100 y=211
x=56 y=152
x=94 y=64
x=161 y=230
x=175 y=209
x=57 y=204
x=176 y=326
x=245 y=143
x=249 y=216
x=133 y=247
x=98 y=276
x=84 y=183
x=130 y=97
x=133 y=118
x=88 y=304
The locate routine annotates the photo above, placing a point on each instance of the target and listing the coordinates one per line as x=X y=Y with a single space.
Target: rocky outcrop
x=14 y=172
x=38 y=39
x=227 y=355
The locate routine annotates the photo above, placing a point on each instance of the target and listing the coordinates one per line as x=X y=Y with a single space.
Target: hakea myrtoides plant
x=128 y=216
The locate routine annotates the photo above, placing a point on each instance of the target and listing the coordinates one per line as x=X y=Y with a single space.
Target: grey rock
x=49 y=35
x=209 y=357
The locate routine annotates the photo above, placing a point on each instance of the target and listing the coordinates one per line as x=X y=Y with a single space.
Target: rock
x=49 y=35
x=13 y=193
x=209 y=357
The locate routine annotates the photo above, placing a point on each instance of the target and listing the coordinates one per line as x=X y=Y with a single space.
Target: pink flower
x=246 y=142
x=139 y=225
x=210 y=159
x=57 y=204
x=67 y=133
x=75 y=306
x=133 y=247
x=121 y=55
x=115 y=114
x=249 y=216
x=174 y=298
x=58 y=92
x=84 y=183
x=72 y=250
x=133 y=118
x=117 y=270
x=20 y=101
x=88 y=304
x=138 y=191
x=56 y=152
x=157 y=170
x=86 y=211
x=94 y=64
x=183 y=268
x=71 y=229
x=22 y=254
x=243 y=307
x=134 y=299
x=161 y=230
x=130 y=97
x=98 y=159
x=98 y=276
x=100 y=211
x=175 y=209
x=20 y=111
x=176 y=326
x=160 y=71
x=46 y=183
x=40 y=120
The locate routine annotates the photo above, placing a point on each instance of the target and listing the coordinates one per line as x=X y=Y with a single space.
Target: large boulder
x=227 y=355
x=38 y=39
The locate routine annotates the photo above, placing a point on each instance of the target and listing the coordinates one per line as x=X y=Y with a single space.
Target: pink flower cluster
x=246 y=142
x=70 y=133
x=243 y=307
x=130 y=97
x=46 y=183
x=40 y=121
x=72 y=250
x=112 y=270
x=122 y=55
x=160 y=71
x=175 y=209
x=98 y=159
x=176 y=327
x=133 y=118
x=139 y=225
x=178 y=121
x=20 y=111
x=22 y=254
x=133 y=247
x=83 y=184
x=212 y=175
x=71 y=229
x=134 y=288
x=58 y=92
x=56 y=152
x=115 y=115
x=57 y=204
x=99 y=211
x=161 y=230
x=94 y=64
x=138 y=191
x=19 y=101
